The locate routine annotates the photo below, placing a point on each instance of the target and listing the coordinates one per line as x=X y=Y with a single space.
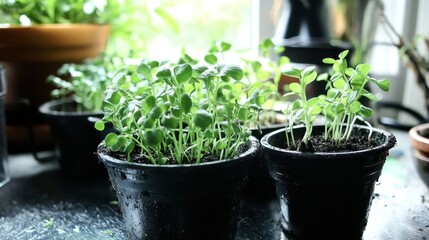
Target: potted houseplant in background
x=325 y=174
x=266 y=73
x=80 y=93
x=37 y=39
x=182 y=149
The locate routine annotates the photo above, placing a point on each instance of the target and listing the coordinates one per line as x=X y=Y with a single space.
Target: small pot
x=4 y=167
x=419 y=139
x=75 y=139
x=261 y=185
x=325 y=195
x=29 y=55
x=189 y=201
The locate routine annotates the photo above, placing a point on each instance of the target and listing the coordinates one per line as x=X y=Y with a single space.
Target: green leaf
x=183 y=73
x=114 y=97
x=210 y=58
x=170 y=122
x=350 y=72
x=343 y=54
x=295 y=87
x=315 y=110
x=283 y=60
x=357 y=81
x=366 y=112
x=164 y=73
x=267 y=44
x=332 y=93
x=384 y=84
x=339 y=84
x=225 y=46
x=119 y=78
x=352 y=97
x=313 y=101
x=243 y=114
x=310 y=78
x=363 y=69
x=111 y=139
x=260 y=100
x=230 y=70
x=322 y=77
x=129 y=147
x=144 y=70
x=297 y=104
x=256 y=66
x=328 y=60
x=99 y=125
x=339 y=109
x=154 y=136
x=355 y=107
x=294 y=72
x=148 y=123
x=155 y=113
x=185 y=103
x=308 y=71
x=203 y=119
x=221 y=144
x=369 y=95
x=149 y=103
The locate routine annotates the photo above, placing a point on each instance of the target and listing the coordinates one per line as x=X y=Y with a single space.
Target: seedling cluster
x=340 y=107
x=178 y=113
x=85 y=83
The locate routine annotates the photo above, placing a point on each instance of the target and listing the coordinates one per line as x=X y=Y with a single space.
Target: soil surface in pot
x=138 y=158
x=358 y=141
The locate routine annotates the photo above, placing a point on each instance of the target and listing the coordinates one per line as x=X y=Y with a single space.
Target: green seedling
x=340 y=107
x=178 y=113
x=85 y=83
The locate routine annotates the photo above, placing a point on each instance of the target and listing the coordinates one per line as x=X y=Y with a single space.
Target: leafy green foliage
x=341 y=106
x=58 y=11
x=176 y=113
x=85 y=83
x=265 y=73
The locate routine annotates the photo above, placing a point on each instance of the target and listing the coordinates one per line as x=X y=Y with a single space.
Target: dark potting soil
x=319 y=144
x=136 y=157
x=357 y=141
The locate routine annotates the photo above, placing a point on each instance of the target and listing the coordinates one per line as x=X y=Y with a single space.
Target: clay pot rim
x=418 y=141
x=14 y=27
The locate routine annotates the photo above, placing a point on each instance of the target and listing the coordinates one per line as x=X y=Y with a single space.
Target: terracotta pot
x=419 y=139
x=29 y=55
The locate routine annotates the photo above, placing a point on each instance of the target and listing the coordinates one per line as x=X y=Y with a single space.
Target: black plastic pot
x=261 y=186
x=75 y=139
x=193 y=201
x=325 y=195
x=4 y=173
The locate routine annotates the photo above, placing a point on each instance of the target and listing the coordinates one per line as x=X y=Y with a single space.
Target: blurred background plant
x=30 y=12
x=147 y=28
x=85 y=83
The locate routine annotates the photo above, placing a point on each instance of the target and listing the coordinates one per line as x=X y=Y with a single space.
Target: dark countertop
x=39 y=203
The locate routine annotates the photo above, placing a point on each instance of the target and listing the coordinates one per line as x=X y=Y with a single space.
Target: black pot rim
x=47 y=109
x=388 y=143
x=124 y=164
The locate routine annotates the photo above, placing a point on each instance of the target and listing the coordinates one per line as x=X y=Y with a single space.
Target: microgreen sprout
x=340 y=107
x=265 y=73
x=48 y=223
x=178 y=113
